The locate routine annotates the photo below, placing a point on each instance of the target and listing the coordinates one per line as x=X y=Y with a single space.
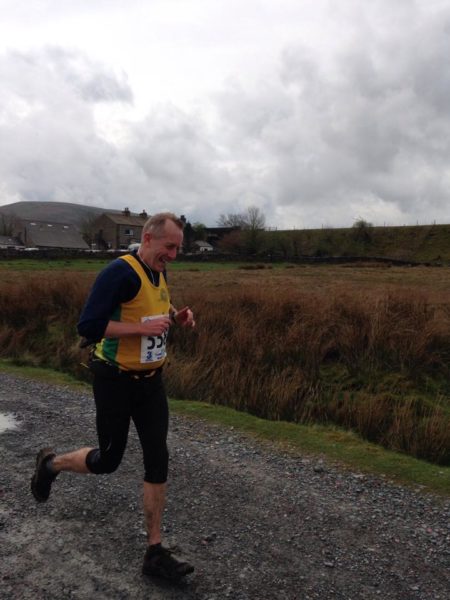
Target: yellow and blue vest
x=138 y=353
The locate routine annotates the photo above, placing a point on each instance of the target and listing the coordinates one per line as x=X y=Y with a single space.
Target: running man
x=127 y=316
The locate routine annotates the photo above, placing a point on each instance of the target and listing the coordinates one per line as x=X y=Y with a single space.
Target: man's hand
x=184 y=317
x=156 y=326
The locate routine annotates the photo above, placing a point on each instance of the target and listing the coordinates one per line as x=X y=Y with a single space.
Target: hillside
x=59 y=212
x=421 y=243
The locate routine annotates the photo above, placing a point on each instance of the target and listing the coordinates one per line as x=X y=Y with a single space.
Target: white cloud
x=318 y=112
x=365 y=131
x=49 y=145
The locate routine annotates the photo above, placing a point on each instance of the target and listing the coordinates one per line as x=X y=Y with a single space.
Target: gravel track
x=257 y=524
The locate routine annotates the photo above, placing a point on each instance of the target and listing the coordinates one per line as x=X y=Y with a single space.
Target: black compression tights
x=145 y=402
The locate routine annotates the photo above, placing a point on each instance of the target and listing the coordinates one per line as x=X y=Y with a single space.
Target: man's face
x=158 y=251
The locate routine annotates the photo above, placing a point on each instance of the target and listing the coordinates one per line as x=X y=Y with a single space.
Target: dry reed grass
x=267 y=346
x=264 y=351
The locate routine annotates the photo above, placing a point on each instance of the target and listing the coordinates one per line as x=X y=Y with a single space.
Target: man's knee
x=157 y=467
x=100 y=464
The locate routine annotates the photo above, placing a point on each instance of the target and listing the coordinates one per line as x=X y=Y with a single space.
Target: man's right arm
x=151 y=327
x=116 y=284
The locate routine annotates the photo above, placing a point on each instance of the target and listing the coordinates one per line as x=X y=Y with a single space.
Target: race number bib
x=153 y=348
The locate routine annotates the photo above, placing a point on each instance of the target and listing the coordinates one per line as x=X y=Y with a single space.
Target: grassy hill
x=58 y=212
x=421 y=243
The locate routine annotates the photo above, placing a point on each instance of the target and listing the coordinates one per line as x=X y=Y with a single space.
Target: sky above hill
x=319 y=112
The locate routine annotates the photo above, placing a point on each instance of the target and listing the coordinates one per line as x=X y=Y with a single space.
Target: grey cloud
x=180 y=163
x=31 y=74
x=95 y=82
x=371 y=129
x=52 y=150
x=250 y=120
x=48 y=141
x=366 y=134
x=432 y=67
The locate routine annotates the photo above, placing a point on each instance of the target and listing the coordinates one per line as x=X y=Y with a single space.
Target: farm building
x=46 y=235
x=116 y=231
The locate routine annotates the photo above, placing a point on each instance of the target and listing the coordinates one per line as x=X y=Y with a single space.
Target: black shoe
x=42 y=479
x=160 y=563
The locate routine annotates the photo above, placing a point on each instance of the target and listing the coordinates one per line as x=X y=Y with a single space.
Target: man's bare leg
x=48 y=465
x=72 y=461
x=154 y=502
x=159 y=561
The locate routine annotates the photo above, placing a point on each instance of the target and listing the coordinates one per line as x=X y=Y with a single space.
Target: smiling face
x=159 y=249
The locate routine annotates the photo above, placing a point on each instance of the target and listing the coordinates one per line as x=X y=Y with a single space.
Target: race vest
x=138 y=353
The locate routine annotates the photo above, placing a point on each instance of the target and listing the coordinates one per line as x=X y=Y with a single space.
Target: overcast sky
x=319 y=112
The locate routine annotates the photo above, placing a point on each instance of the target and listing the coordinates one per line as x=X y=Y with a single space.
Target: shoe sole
x=161 y=575
x=41 y=456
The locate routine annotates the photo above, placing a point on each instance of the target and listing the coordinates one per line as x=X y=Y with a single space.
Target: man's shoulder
x=117 y=265
x=116 y=271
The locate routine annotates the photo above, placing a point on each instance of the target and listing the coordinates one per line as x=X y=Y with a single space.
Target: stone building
x=117 y=230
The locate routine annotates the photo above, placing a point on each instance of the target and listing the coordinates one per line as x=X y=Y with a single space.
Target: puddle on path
x=7 y=422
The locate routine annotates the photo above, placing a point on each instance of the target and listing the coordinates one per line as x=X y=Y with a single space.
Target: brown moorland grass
x=365 y=348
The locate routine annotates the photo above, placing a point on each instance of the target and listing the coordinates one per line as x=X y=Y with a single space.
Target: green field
x=90 y=264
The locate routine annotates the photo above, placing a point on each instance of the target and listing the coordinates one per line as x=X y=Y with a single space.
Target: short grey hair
x=155 y=224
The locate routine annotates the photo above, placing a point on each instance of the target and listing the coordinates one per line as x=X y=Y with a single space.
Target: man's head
x=162 y=236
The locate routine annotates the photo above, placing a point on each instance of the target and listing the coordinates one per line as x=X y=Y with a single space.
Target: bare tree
x=231 y=220
x=252 y=218
x=255 y=218
x=232 y=243
x=252 y=222
x=88 y=229
x=255 y=222
x=7 y=224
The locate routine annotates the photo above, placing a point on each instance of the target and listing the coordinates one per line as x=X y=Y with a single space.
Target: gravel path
x=256 y=523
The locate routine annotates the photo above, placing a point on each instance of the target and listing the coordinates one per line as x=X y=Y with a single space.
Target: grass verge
x=95 y=265
x=342 y=448
x=41 y=374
